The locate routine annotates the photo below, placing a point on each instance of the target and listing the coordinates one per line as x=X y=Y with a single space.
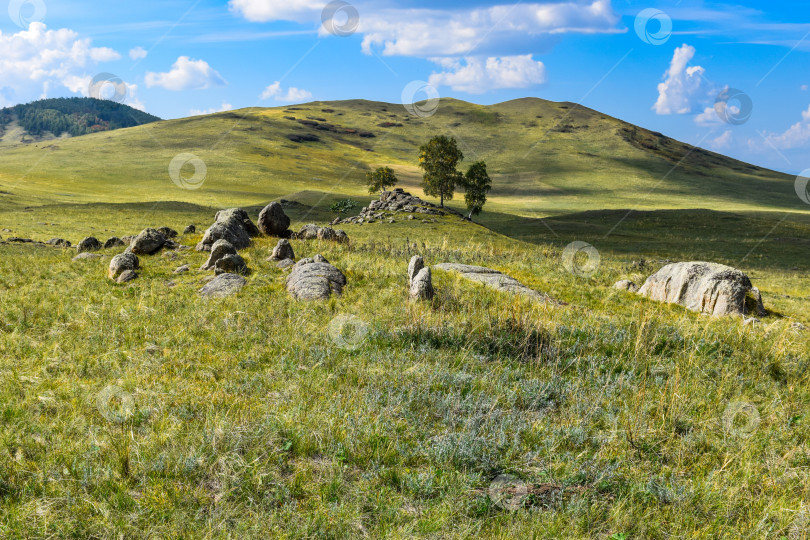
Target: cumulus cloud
x=186 y=74
x=137 y=53
x=683 y=86
x=431 y=32
x=36 y=61
x=222 y=108
x=478 y=75
x=723 y=141
x=796 y=136
x=293 y=94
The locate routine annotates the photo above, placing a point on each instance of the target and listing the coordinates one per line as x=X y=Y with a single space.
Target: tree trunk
x=441 y=194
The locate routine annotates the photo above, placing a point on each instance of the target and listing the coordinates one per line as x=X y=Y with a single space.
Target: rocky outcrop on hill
x=233 y=225
x=710 y=288
x=315 y=279
x=494 y=279
x=396 y=202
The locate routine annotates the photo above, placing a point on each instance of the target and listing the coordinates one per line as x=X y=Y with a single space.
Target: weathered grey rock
x=626 y=285
x=319 y=259
x=286 y=263
x=127 y=239
x=315 y=280
x=220 y=249
x=232 y=263
x=90 y=243
x=191 y=229
x=168 y=232
x=182 y=269
x=223 y=285
x=714 y=289
x=273 y=221
x=113 y=242
x=414 y=266
x=313 y=232
x=233 y=225
x=86 y=255
x=123 y=262
x=283 y=250
x=307 y=232
x=422 y=285
x=58 y=242
x=149 y=241
x=496 y=280
x=126 y=275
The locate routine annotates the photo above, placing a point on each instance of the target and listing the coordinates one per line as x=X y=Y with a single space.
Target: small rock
x=223 y=285
x=89 y=244
x=113 y=242
x=283 y=250
x=121 y=263
x=126 y=275
x=750 y=322
x=191 y=229
x=58 y=242
x=232 y=263
x=219 y=249
x=182 y=270
x=798 y=326
x=168 y=232
x=286 y=263
x=625 y=285
x=86 y=255
x=422 y=285
x=320 y=259
x=149 y=241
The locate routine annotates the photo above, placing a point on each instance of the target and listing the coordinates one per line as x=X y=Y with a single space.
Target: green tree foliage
x=343 y=206
x=476 y=186
x=74 y=116
x=439 y=158
x=381 y=179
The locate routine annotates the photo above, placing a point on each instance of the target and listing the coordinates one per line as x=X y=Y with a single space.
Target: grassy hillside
x=144 y=411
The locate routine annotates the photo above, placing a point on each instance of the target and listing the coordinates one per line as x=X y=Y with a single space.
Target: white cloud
x=186 y=74
x=478 y=75
x=36 y=61
x=222 y=108
x=138 y=53
x=723 y=141
x=683 y=85
x=796 y=136
x=804 y=88
x=293 y=94
x=431 y=32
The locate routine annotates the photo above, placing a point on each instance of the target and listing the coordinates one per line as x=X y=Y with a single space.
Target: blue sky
x=694 y=82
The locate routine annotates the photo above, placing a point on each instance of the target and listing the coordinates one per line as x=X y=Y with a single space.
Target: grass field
x=145 y=411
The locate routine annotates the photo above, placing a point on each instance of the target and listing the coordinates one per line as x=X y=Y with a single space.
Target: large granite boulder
x=714 y=289
x=312 y=280
x=273 y=221
x=233 y=225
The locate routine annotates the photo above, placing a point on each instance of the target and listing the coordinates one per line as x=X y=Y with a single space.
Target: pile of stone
x=392 y=203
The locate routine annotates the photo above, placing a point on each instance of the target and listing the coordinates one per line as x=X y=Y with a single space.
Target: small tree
x=476 y=185
x=439 y=158
x=381 y=179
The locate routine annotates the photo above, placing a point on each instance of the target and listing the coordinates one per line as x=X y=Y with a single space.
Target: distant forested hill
x=74 y=116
